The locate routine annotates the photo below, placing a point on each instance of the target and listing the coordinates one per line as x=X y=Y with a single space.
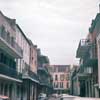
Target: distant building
x=44 y=74
x=61 y=78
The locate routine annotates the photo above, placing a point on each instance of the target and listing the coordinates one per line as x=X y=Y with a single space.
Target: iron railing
x=83 y=47
x=28 y=73
x=11 y=72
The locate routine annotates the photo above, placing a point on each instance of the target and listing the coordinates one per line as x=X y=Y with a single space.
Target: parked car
x=42 y=96
x=68 y=97
x=55 y=95
x=77 y=98
x=4 y=97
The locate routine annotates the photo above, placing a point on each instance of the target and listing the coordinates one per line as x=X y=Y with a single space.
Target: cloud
x=56 y=26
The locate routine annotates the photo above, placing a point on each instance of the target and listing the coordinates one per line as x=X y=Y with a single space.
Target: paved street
x=73 y=98
x=60 y=99
x=52 y=98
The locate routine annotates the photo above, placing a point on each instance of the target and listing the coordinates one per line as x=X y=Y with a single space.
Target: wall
x=6 y=24
x=98 y=44
x=23 y=43
x=33 y=58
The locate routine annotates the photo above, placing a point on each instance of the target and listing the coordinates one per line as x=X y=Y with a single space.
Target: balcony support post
x=14 y=91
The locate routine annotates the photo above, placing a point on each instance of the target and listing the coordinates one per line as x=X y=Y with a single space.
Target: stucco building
x=27 y=65
x=18 y=62
x=10 y=51
x=88 y=52
x=23 y=70
x=61 y=78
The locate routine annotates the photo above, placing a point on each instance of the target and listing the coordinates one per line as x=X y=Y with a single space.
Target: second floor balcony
x=8 y=44
x=44 y=77
x=90 y=57
x=83 y=47
x=28 y=74
x=8 y=72
x=86 y=70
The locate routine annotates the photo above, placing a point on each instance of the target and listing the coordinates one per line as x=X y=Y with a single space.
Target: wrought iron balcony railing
x=83 y=47
x=28 y=74
x=10 y=72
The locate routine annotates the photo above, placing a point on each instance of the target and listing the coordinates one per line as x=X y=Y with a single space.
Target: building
x=87 y=52
x=74 y=83
x=97 y=30
x=61 y=78
x=24 y=71
x=45 y=77
x=18 y=62
x=27 y=65
x=10 y=51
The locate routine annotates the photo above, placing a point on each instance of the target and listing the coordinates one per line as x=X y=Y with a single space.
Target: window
x=8 y=37
x=68 y=69
x=56 y=77
x=56 y=85
x=61 y=84
x=12 y=41
x=54 y=69
x=67 y=85
x=62 y=68
x=62 y=77
x=67 y=77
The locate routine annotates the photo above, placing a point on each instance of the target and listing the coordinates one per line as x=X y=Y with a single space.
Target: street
x=72 y=98
x=52 y=98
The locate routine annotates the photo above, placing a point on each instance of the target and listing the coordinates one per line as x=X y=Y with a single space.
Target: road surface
x=72 y=98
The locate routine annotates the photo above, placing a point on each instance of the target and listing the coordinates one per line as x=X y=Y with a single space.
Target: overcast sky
x=56 y=26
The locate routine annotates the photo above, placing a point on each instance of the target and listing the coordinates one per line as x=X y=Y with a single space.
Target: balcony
x=44 y=81
x=28 y=74
x=8 y=44
x=90 y=58
x=86 y=70
x=44 y=77
x=83 y=47
x=7 y=71
x=43 y=70
x=91 y=62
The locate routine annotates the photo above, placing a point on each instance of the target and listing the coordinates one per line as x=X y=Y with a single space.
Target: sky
x=56 y=26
